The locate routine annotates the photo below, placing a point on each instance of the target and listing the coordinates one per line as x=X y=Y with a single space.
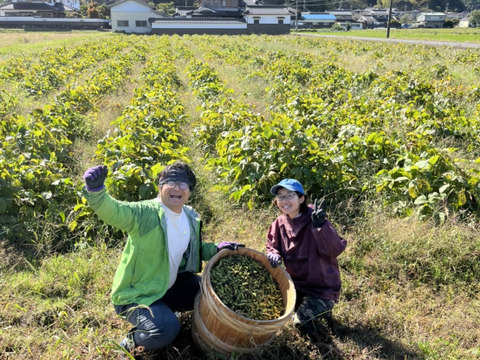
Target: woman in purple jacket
x=309 y=246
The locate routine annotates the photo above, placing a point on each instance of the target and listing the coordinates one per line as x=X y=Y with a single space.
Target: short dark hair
x=178 y=171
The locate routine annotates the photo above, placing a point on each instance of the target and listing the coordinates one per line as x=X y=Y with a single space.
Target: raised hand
x=94 y=178
x=318 y=214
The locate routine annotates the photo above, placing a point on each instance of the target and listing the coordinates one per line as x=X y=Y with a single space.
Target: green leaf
x=443 y=188
x=422 y=164
x=422 y=199
x=462 y=198
x=73 y=225
x=380 y=187
x=433 y=160
x=413 y=192
x=144 y=191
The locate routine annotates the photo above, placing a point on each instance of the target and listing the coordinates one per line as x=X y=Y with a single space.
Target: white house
x=253 y=19
x=221 y=17
x=464 y=22
x=131 y=16
x=430 y=20
x=232 y=17
x=267 y=19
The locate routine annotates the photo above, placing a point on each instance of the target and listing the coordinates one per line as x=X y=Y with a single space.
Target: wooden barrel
x=218 y=329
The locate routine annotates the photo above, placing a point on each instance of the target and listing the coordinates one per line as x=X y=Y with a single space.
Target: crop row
x=345 y=133
x=44 y=72
x=37 y=157
x=145 y=138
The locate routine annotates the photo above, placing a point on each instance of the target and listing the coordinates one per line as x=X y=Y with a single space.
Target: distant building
x=47 y=15
x=267 y=19
x=430 y=20
x=380 y=14
x=212 y=17
x=35 y=23
x=184 y=11
x=342 y=15
x=376 y=18
x=464 y=22
x=205 y=25
x=316 y=20
x=131 y=16
x=44 y=9
x=369 y=22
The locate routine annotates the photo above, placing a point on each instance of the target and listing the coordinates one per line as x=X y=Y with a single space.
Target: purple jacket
x=309 y=254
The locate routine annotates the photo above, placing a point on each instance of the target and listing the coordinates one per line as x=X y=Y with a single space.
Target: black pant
x=156 y=326
x=181 y=296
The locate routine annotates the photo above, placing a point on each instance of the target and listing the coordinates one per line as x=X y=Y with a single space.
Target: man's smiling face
x=174 y=198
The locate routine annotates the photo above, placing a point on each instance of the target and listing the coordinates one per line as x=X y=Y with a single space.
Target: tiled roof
x=112 y=4
x=200 y=21
x=266 y=10
x=205 y=11
x=184 y=10
x=29 y=6
x=248 y=2
x=341 y=13
x=63 y=7
x=36 y=7
x=368 y=19
x=8 y=6
x=376 y=12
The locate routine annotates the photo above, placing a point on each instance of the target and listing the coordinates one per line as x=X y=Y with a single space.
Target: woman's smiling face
x=289 y=202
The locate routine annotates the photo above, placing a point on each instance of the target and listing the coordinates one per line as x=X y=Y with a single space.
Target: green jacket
x=143 y=274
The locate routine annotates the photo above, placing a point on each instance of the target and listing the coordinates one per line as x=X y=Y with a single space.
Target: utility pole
x=389 y=19
x=296 y=15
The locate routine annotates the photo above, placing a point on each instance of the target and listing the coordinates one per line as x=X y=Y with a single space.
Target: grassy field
x=410 y=284
x=14 y=41
x=471 y=35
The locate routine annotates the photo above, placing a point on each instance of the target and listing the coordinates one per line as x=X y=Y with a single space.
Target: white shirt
x=178 y=237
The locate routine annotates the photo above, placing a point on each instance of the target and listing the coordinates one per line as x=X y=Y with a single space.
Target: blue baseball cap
x=289 y=184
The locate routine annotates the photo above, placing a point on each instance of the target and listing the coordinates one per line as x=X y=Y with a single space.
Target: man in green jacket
x=156 y=275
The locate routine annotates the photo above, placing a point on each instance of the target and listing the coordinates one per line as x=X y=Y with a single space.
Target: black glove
x=274 y=259
x=95 y=177
x=318 y=214
x=229 y=245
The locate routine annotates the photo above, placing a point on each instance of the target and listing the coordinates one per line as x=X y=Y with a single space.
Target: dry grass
x=60 y=307
x=392 y=293
x=12 y=41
